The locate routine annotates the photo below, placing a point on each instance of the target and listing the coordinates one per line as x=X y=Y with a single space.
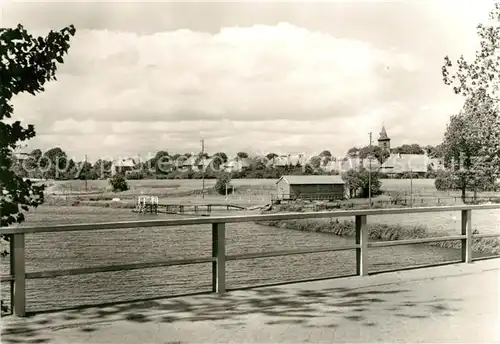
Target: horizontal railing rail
x=18 y=274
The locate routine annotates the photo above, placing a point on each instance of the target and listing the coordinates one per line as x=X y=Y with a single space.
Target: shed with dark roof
x=311 y=188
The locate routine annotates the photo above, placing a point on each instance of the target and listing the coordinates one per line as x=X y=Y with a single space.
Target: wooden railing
x=18 y=274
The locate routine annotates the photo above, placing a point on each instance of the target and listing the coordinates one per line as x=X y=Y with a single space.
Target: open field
x=248 y=192
x=419 y=187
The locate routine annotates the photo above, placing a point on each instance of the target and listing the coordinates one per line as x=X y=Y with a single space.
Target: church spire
x=383 y=134
x=384 y=141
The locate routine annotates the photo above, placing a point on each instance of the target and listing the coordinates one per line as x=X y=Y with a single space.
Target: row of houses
x=395 y=164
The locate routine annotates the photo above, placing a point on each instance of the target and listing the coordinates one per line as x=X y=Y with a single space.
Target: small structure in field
x=310 y=188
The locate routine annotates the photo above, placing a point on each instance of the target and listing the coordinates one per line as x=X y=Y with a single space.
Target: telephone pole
x=85 y=173
x=203 y=168
x=411 y=188
x=370 y=173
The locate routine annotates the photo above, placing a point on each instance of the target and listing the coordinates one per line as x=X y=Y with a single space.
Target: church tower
x=384 y=141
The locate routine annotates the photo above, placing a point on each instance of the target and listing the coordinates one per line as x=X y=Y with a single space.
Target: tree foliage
x=118 y=183
x=242 y=155
x=358 y=183
x=26 y=64
x=223 y=180
x=468 y=140
x=472 y=140
x=409 y=149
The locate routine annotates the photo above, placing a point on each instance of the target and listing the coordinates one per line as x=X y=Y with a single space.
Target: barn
x=310 y=187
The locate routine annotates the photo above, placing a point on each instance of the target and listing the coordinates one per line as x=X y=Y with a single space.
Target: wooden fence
x=18 y=275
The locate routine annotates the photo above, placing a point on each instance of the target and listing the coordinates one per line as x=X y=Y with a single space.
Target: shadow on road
x=328 y=308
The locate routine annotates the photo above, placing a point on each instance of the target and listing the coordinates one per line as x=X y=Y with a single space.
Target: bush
x=135 y=175
x=118 y=183
x=358 y=183
x=431 y=175
x=444 y=181
x=220 y=186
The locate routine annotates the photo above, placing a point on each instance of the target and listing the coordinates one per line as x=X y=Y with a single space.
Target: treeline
x=56 y=164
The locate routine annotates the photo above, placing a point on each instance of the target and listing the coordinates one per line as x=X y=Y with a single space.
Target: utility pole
x=203 y=168
x=370 y=173
x=411 y=188
x=85 y=172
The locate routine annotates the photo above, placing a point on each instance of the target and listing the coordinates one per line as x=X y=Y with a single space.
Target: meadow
x=247 y=191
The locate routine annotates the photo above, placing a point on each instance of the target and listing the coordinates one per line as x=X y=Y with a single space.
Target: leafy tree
x=409 y=149
x=325 y=153
x=358 y=183
x=84 y=171
x=242 y=155
x=118 y=183
x=26 y=64
x=271 y=156
x=353 y=152
x=467 y=145
x=434 y=151
x=102 y=168
x=222 y=156
x=478 y=81
x=258 y=163
x=374 y=151
x=223 y=180
x=18 y=167
x=157 y=163
x=55 y=163
x=315 y=162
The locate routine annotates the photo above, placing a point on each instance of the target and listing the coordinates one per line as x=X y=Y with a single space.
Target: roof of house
x=124 y=162
x=238 y=162
x=291 y=159
x=383 y=135
x=312 y=180
x=400 y=163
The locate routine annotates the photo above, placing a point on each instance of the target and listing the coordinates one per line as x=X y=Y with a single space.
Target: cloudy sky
x=246 y=76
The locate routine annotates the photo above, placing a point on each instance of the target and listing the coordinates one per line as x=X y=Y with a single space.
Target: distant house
x=237 y=165
x=436 y=164
x=288 y=160
x=310 y=187
x=194 y=163
x=350 y=163
x=124 y=165
x=398 y=164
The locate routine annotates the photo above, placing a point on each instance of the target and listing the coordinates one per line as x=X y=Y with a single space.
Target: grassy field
x=247 y=192
x=419 y=186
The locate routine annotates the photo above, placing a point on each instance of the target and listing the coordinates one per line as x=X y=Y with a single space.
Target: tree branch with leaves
x=27 y=63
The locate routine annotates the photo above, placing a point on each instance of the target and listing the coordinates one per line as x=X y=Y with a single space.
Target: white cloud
x=252 y=73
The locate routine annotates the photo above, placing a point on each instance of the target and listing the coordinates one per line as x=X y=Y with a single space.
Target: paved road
x=448 y=304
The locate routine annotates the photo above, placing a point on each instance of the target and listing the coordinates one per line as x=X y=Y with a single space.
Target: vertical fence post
x=362 y=241
x=219 y=253
x=467 y=231
x=17 y=268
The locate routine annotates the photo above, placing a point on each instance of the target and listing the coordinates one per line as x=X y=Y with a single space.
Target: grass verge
x=377 y=232
x=382 y=232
